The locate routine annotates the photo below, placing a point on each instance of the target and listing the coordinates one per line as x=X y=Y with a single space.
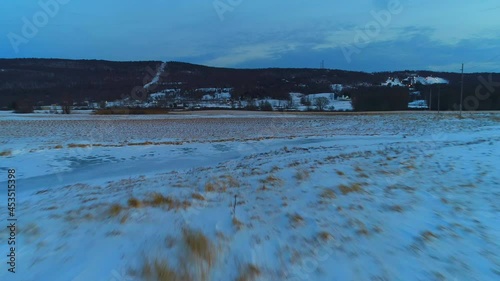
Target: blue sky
x=366 y=35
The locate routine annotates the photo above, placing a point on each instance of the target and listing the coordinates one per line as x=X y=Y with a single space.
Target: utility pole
x=439 y=98
x=430 y=100
x=462 y=90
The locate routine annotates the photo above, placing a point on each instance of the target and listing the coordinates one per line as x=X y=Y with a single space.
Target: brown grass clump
x=302 y=175
x=396 y=208
x=296 y=219
x=58 y=146
x=272 y=180
x=237 y=223
x=160 y=270
x=199 y=245
x=355 y=187
x=248 y=273
x=134 y=203
x=428 y=235
x=328 y=193
x=363 y=175
x=221 y=184
x=194 y=264
x=325 y=236
x=115 y=210
x=6 y=153
x=75 y=145
x=275 y=169
x=209 y=187
x=340 y=173
x=158 y=200
x=124 y=219
x=231 y=181
x=197 y=196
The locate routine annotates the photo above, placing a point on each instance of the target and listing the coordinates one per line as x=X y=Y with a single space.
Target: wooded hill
x=56 y=81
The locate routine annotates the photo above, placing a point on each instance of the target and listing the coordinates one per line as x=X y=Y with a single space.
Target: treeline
x=378 y=98
x=52 y=81
x=481 y=92
x=275 y=83
x=25 y=82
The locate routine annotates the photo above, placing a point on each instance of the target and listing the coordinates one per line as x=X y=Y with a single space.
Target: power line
x=476 y=65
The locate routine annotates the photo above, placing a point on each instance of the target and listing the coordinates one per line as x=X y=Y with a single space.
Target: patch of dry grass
x=248 y=273
x=195 y=260
x=76 y=145
x=237 y=223
x=355 y=187
x=302 y=175
x=296 y=219
x=221 y=184
x=6 y=153
x=124 y=219
x=160 y=270
x=198 y=196
x=396 y=208
x=134 y=203
x=428 y=235
x=209 y=187
x=115 y=210
x=328 y=193
x=274 y=169
x=230 y=181
x=158 y=200
x=199 y=245
x=272 y=180
x=324 y=236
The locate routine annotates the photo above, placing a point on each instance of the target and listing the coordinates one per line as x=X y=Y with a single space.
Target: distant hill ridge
x=49 y=81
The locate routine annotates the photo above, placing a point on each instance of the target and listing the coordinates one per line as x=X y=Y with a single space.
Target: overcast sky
x=366 y=35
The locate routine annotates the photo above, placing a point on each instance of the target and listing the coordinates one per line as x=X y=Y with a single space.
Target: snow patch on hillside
x=157 y=77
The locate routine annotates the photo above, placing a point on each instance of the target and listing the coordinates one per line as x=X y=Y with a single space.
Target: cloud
x=244 y=54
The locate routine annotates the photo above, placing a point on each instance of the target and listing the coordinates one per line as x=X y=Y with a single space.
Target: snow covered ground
x=395 y=196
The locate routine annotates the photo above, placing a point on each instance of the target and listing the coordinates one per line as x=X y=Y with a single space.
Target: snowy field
x=251 y=196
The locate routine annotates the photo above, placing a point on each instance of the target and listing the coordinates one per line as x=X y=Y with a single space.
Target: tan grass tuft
x=328 y=193
x=6 y=153
x=249 y=273
x=355 y=187
x=134 y=203
x=197 y=196
x=272 y=180
x=302 y=175
x=199 y=245
x=115 y=210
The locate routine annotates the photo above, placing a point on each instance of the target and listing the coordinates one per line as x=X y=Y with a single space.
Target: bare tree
x=67 y=103
x=321 y=103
